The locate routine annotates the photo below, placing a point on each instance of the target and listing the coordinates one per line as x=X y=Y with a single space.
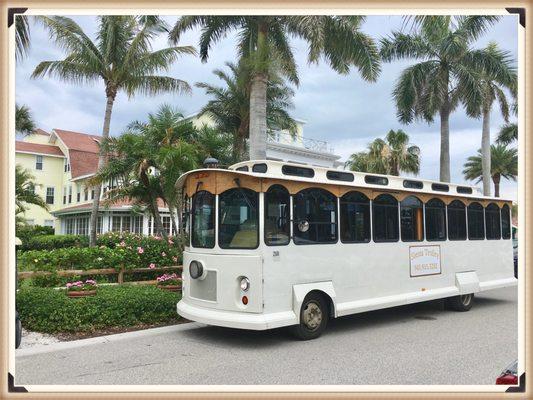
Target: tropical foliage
x=230 y=105
x=504 y=164
x=24 y=123
x=263 y=39
x=22 y=36
x=448 y=73
x=25 y=191
x=121 y=57
x=390 y=156
x=508 y=134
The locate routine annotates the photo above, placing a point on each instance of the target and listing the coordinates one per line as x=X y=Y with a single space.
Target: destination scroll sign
x=424 y=260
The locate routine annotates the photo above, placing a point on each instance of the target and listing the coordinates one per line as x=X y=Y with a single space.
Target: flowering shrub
x=80 y=286
x=168 y=280
x=50 y=242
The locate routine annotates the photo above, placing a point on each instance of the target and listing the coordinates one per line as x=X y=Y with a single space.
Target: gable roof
x=82 y=163
x=40 y=131
x=79 y=141
x=34 y=148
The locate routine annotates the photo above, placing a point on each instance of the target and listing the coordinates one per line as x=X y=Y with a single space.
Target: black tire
x=18 y=330
x=315 y=311
x=460 y=303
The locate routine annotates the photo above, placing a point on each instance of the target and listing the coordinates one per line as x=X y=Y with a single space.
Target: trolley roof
x=313 y=174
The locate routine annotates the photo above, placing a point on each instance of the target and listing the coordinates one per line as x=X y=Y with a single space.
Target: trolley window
x=376 y=180
x=476 y=223
x=355 y=218
x=315 y=217
x=413 y=184
x=261 y=168
x=506 y=222
x=435 y=220
x=203 y=220
x=238 y=219
x=340 y=176
x=492 y=221
x=298 y=171
x=456 y=220
x=439 y=187
x=411 y=219
x=385 y=218
x=277 y=216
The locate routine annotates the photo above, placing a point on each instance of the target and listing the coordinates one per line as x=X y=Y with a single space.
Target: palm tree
x=390 y=156
x=230 y=105
x=493 y=90
x=504 y=163
x=24 y=124
x=121 y=57
x=447 y=73
x=25 y=191
x=509 y=132
x=22 y=36
x=262 y=38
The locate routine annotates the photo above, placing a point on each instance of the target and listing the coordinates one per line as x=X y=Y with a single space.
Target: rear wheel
x=313 y=318
x=460 y=303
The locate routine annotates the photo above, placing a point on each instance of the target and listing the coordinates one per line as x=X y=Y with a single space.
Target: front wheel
x=313 y=318
x=460 y=303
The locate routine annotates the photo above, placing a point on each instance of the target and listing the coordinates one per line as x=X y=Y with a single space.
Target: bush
x=51 y=311
x=50 y=242
x=27 y=232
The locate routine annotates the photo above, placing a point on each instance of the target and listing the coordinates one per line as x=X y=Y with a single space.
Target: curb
x=105 y=339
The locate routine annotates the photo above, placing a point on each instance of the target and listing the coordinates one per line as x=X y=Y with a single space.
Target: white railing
x=298 y=141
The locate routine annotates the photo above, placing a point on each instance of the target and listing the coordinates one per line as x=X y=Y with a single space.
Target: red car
x=509 y=375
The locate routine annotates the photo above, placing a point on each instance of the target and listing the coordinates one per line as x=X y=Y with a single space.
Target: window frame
x=436 y=199
x=423 y=220
x=509 y=221
x=289 y=222
x=368 y=203
x=294 y=222
x=465 y=219
x=53 y=195
x=374 y=216
x=219 y=224
x=498 y=219
x=482 y=218
x=213 y=216
x=39 y=161
x=292 y=170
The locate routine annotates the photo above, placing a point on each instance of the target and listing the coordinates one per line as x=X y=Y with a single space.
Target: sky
x=343 y=110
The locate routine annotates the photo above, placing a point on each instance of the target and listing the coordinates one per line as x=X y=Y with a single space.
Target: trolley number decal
x=424 y=260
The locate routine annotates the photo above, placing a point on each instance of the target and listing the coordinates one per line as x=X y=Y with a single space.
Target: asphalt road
x=417 y=344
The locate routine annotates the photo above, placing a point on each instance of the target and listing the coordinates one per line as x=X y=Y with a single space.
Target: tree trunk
x=173 y=219
x=445 y=142
x=102 y=159
x=240 y=140
x=158 y=225
x=485 y=152
x=258 y=94
x=496 y=178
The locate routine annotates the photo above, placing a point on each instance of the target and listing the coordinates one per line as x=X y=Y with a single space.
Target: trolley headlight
x=245 y=284
x=196 y=269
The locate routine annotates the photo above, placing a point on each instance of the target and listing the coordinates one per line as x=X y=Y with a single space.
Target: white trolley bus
x=276 y=244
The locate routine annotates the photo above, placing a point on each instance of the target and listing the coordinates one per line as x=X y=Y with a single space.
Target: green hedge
x=27 y=232
x=51 y=242
x=51 y=311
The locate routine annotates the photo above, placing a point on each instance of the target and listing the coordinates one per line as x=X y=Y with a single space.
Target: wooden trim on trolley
x=218 y=181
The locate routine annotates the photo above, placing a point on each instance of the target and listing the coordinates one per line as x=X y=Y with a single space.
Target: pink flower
x=69 y=285
x=170 y=241
x=151 y=266
x=122 y=244
x=157 y=237
x=140 y=250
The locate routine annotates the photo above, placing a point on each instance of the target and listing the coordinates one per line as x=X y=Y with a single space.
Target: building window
x=506 y=222
x=476 y=222
x=203 y=220
x=66 y=165
x=78 y=193
x=137 y=224
x=126 y=223
x=167 y=224
x=64 y=195
x=456 y=220
x=315 y=217
x=385 y=218
x=412 y=219
x=492 y=221
x=115 y=224
x=86 y=194
x=49 y=223
x=92 y=194
x=435 y=220
x=355 y=218
x=238 y=218
x=277 y=216
x=39 y=163
x=70 y=194
x=49 y=195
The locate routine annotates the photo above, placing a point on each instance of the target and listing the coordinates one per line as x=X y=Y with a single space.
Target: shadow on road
x=427 y=311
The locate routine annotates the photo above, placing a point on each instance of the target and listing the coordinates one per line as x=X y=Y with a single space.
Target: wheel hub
x=312 y=316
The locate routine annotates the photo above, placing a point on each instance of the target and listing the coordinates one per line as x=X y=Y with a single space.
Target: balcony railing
x=298 y=141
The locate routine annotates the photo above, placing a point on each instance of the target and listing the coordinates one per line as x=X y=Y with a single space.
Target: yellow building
x=61 y=162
